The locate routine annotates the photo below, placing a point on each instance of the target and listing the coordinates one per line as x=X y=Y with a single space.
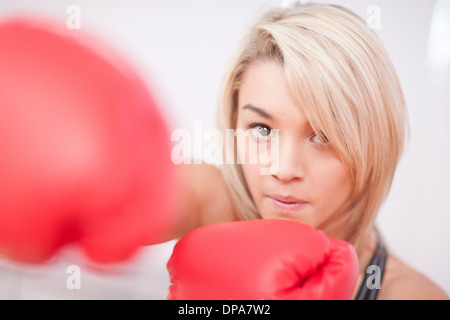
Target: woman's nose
x=289 y=162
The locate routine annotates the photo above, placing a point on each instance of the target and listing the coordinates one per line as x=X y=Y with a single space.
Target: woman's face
x=310 y=184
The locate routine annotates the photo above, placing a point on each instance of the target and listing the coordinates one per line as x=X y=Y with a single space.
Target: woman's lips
x=287 y=204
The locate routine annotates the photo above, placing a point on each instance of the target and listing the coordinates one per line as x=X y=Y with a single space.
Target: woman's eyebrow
x=263 y=113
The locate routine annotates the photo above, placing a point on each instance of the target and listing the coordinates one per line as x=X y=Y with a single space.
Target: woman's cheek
x=332 y=187
x=248 y=158
x=247 y=147
x=252 y=177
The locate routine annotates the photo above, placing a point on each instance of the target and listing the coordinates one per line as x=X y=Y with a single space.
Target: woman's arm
x=201 y=198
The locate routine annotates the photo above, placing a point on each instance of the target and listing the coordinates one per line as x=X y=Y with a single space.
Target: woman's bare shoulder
x=211 y=192
x=401 y=282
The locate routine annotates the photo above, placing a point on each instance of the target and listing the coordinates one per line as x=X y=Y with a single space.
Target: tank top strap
x=369 y=291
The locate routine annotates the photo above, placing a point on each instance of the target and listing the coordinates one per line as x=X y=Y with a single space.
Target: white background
x=181 y=47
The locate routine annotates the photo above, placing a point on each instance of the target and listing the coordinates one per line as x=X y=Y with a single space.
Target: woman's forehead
x=265 y=92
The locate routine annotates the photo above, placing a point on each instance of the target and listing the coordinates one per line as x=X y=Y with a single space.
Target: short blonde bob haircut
x=340 y=73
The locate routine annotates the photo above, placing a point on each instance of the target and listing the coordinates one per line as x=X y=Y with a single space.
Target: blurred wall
x=181 y=49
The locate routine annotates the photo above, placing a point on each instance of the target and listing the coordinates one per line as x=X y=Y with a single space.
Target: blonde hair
x=338 y=70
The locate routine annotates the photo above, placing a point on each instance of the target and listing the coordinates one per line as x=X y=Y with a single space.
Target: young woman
x=321 y=77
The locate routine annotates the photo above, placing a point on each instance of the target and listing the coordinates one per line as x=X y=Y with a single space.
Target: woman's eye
x=322 y=139
x=261 y=131
x=315 y=139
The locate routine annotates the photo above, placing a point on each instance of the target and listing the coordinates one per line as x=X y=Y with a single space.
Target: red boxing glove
x=84 y=150
x=268 y=259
